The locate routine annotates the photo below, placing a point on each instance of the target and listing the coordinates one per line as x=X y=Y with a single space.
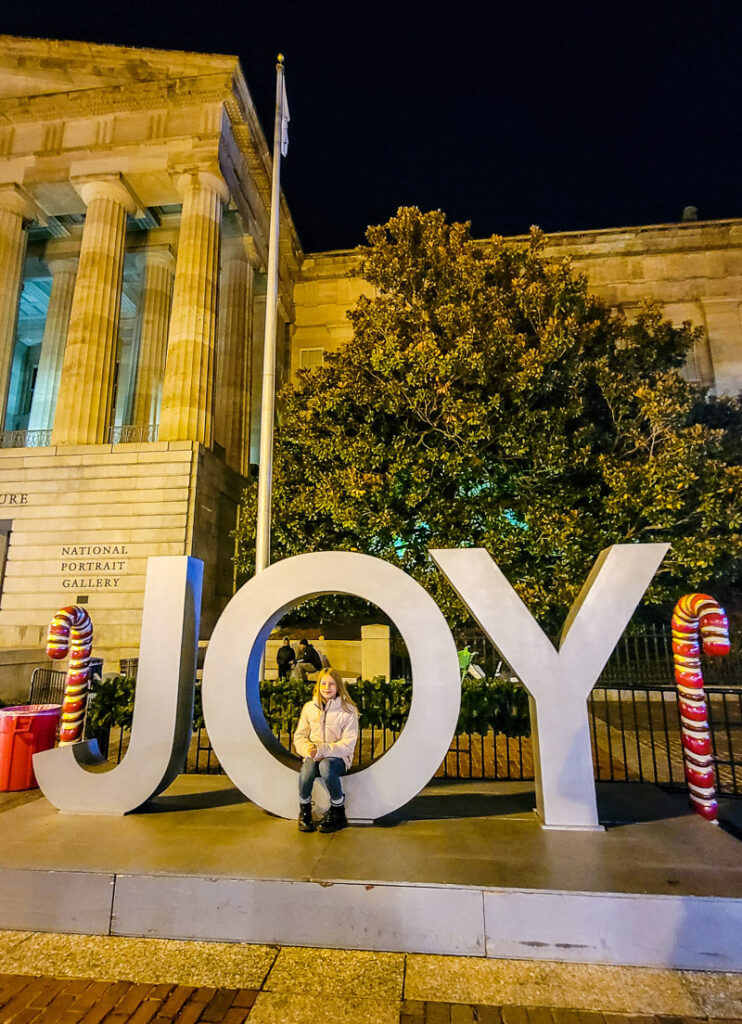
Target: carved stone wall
x=694 y=270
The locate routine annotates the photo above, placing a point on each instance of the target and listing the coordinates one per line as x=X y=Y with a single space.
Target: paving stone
x=91 y=995
x=190 y=1013
x=105 y=1004
x=245 y=997
x=39 y=992
x=514 y=1015
x=539 y=1015
x=28 y=1016
x=279 y=1008
x=437 y=1013
x=235 y=1015
x=9 y=940
x=356 y=973
x=59 y=1006
x=131 y=1000
x=488 y=1014
x=203 y=995
x=461 y=1014
x=413 y=1009
x=145 y=1011
x=161 y=991
x=546 y=983
x=218 y=1005
x=716 y=995
x=175 y=1000
x=15 y=1005
x=141 y=961
x=11 y=987
x=475 y=980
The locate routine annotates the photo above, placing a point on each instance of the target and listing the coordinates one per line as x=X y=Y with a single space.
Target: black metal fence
x=633 y=714
x=642 y=656
x=635 y=737
x=47 y=686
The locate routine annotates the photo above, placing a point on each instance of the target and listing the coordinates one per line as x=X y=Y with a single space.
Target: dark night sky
x=568 y=115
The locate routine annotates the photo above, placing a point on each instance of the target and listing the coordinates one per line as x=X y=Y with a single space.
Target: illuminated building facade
x=134 y=210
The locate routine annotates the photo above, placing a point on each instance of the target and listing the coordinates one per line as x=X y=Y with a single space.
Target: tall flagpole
x=265 y=470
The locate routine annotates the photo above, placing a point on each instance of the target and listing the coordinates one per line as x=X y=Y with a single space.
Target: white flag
x=285 y=118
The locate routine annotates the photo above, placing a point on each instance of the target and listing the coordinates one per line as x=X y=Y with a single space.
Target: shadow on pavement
x=193 y=801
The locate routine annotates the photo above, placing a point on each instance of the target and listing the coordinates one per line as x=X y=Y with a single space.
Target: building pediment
x=43 y=67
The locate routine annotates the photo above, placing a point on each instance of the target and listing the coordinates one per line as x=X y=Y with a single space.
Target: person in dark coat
x=308 y=661
x=285 y=658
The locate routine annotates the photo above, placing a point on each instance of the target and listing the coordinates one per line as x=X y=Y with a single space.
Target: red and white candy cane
x=71 y=629
x=694 y=613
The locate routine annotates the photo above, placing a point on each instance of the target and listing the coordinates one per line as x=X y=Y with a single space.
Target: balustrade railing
x=132 y=433
x=25 y=438
x=127 y=434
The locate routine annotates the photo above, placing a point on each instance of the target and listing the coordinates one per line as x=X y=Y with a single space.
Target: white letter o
x=245 y=747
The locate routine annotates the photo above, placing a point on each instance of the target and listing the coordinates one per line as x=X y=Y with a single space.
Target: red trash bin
x=25 y=730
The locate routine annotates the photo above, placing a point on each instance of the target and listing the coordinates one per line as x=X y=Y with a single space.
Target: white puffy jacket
x=333 y=729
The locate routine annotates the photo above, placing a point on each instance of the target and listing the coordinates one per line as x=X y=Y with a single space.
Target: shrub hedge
x=486 y=704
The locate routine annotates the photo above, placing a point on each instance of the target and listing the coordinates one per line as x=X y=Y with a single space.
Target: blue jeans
x=330 y=770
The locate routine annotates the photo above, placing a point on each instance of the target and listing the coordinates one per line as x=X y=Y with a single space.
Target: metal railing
x=642 y=656
x=132 y=433
x=127 y=434
x=47 y=686
x=25 y=438
x=635 y=737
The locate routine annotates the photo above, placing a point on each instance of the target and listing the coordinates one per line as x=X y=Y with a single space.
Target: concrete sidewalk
x=464 y=869
x=79 y=979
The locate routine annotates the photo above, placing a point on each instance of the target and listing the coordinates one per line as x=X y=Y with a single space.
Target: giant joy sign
x=558 y=681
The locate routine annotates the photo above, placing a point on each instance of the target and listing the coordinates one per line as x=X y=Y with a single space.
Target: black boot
x=306 y=821
x=334 y=819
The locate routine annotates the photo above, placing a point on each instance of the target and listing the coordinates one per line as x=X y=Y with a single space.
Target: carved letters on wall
x=92 y=566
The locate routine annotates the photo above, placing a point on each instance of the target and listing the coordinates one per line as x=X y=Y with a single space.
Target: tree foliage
x=486 y=398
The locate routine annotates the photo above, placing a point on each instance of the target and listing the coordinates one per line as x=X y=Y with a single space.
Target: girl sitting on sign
x=326 y=738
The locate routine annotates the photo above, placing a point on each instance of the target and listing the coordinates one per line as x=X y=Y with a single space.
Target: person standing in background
x=285 y=659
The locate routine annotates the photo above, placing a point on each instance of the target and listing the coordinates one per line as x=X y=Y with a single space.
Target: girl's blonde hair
x=345 y=698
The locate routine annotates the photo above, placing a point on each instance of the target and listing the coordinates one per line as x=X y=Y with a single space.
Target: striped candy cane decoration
x=71 y=629
x=695 y=612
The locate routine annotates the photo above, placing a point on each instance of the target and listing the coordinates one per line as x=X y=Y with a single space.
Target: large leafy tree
x=486 y=398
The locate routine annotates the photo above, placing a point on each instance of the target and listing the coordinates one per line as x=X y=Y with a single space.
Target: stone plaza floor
x=80 y=979
x=53 y=977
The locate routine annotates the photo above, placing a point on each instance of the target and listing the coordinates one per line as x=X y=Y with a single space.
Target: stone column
x=85 y=388
x=256 y=368
x=13 y=208
x=157 y=294
x=187 y=390
x=233 y=348
x=44 y=399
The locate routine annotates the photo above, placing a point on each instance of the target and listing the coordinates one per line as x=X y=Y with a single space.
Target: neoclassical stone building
x=693 y=268
x=134 y=210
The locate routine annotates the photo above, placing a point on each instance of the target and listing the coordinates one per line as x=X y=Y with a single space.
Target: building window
x=311 y=358
x=5 y=528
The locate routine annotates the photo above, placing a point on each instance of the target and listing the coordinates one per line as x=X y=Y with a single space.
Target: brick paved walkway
x=31 y=1000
